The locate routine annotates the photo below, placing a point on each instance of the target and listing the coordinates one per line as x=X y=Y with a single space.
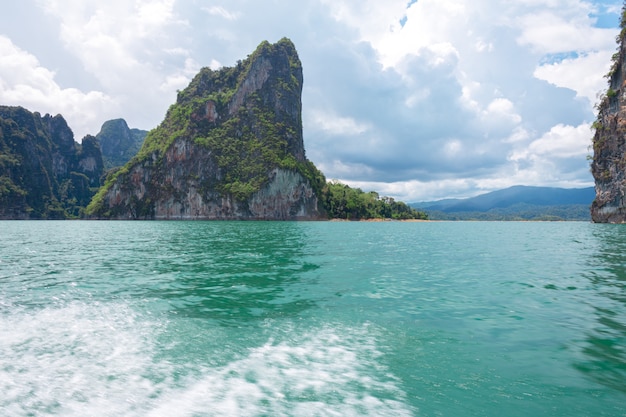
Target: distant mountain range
x=515 y=203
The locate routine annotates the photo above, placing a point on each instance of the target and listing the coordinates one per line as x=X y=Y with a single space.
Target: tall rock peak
x=609 y=142
x=119 y=143
x=231 y=147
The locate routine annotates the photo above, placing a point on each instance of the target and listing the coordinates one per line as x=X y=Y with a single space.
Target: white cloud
x=340 y=169
x=416 y=191
x=519 y=134
x=562 y=142
x=431 y=25
x=549 y=31
x=371 y=18
x=337 y=125
x=130 y=47
x=222 y=12
x=152 y=15
x=579 y=74
x=453 y=148
x=557 y=158
x=433 y=96
x=181 y=79
x=24 y=82
x=501 y=109
x=482 y=46
x=491 y=56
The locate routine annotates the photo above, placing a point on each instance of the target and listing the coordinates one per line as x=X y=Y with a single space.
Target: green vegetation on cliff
x=247 y=141
x=232 y=147
x=44 y=174
x=344 y=202
x=248 y=119
x=119 y=143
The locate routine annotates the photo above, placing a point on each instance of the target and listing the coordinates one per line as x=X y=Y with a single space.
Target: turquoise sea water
x=312 y=319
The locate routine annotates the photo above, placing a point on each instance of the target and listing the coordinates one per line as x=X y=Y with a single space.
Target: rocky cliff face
x=609 y=144
x=44 y=173
x=231 y=147
x=118 y=142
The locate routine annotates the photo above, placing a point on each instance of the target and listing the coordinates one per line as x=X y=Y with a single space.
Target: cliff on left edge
x=44 y=173
x=231 y=147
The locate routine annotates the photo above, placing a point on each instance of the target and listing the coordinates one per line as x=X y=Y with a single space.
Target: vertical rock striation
x=231 y=147
x=609 y=143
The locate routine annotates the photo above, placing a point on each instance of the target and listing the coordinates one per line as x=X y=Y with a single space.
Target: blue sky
x=419 y=100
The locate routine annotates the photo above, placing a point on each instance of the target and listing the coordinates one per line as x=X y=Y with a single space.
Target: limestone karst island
x=231 y=147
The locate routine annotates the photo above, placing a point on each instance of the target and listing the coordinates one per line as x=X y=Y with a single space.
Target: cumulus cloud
x=562 y=29
x=579 y=74
x=180 y=79
x=475 y=83
x=24 y=82
x=420 y=99
x=132 y=48
x=337 y=125
x=560 y=142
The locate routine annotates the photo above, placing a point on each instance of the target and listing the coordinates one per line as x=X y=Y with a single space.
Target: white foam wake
x=96 y=359
x=75 y=359
x=316 y=374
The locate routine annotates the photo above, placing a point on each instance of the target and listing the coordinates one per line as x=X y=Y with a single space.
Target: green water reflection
x=234 y=272
x=604 y=346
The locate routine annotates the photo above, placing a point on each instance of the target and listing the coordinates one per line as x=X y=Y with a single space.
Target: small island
x=230 y=148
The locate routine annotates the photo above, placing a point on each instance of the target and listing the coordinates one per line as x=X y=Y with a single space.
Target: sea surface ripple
x=312 y=319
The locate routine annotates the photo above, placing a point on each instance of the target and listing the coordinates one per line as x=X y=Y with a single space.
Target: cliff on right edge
x=609 y=142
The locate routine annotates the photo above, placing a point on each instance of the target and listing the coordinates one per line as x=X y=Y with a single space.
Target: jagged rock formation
x=231 y=147
x=609 y=143
x=119 y=143
x=44 y=173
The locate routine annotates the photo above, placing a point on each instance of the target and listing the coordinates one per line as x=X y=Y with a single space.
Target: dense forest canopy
x=344 y=202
